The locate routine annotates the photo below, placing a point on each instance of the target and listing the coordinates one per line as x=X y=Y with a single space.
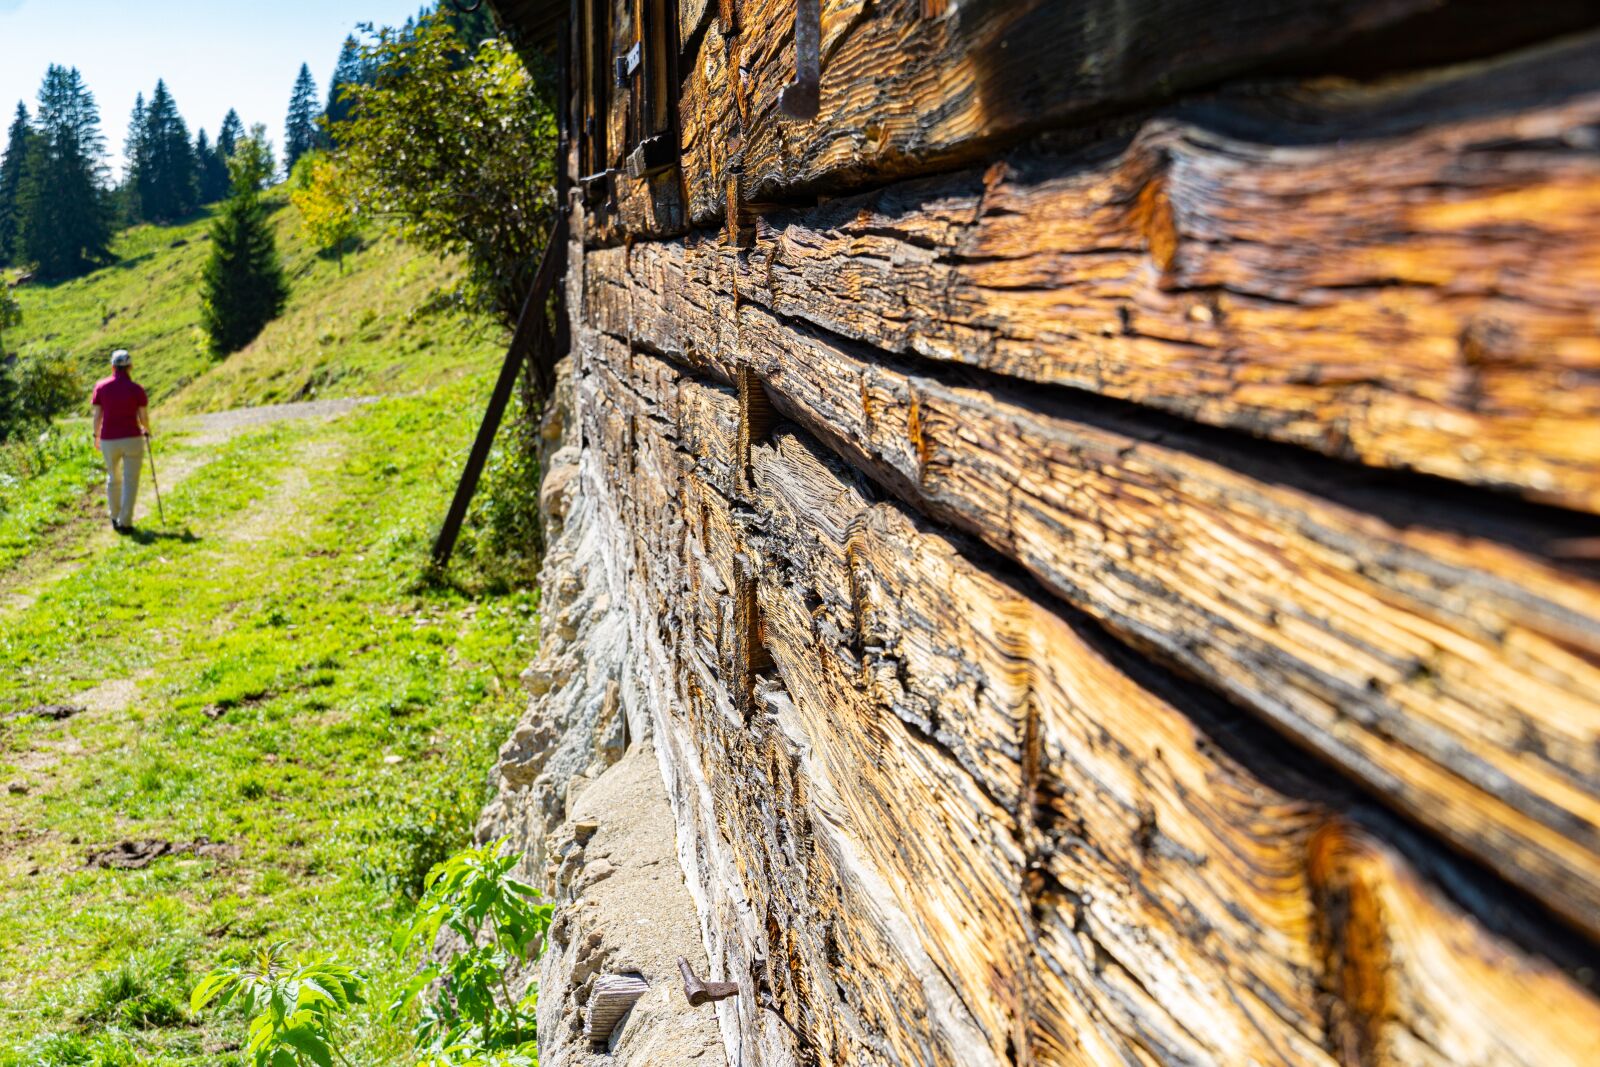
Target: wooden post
x=531 y=320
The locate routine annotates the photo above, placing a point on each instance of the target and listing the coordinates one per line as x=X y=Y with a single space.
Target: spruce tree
x=12 y=167
x=135 y=156
x=213 y=170
x=351 y=70
x=229 y=136
x=242 y=287
x=169 y=178
x=65 y=212
x=300 y=129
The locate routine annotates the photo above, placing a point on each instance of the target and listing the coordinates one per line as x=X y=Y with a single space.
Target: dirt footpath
x=78 y=538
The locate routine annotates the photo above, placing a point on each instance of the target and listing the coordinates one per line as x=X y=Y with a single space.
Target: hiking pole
x=150 y=450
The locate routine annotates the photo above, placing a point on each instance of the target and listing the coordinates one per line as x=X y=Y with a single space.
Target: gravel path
x=218 y=426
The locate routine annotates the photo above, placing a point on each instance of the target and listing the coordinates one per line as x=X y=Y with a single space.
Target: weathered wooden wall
x=1107 y=514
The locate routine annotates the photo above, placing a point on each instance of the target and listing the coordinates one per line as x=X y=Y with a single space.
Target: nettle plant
x=496 y=920
x=292 y=1004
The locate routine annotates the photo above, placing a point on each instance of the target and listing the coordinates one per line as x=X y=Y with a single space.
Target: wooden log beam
x=909 y=87
x=1166 y=883
x=1425 y=646
x=1089 y=852
x=1404 y=277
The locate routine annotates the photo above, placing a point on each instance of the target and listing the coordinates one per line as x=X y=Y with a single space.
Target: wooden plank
x=1413 y=980
x=1183 y=908
x=1167 y=884
x=1414 y=301
x=1408 y=300
x=908 y=88
x=1426 y=647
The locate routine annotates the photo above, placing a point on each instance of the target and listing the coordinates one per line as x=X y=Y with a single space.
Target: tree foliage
x=12 y=167
x=135 y=153
x=229 y=134
x=320 y=190
x=250 y=164
x=164 y=172
x=300 y=128
x=458 y=144
x=472 y=27
x=242 y=286
x=353 y=69
x=213 y=184
x=63 y=209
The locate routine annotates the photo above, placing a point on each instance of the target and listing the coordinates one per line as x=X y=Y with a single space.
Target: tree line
x=58 y=203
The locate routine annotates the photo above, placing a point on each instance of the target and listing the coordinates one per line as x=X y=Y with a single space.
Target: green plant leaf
x=210 y=987
x=307 y=1042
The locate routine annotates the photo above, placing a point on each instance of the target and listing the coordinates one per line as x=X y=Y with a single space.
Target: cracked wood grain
x=1434 y=654
x=1406 y=277
x=1128 y=892
x=905 y=92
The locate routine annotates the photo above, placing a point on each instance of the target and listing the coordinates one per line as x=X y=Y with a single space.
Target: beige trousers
x=123 y=456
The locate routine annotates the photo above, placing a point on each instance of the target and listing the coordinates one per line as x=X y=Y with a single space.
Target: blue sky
x=214 y=54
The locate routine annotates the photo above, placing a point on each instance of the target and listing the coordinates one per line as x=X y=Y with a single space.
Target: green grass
x=294 y=690
x=387 y=323
x=42 y=484
x=271 y=671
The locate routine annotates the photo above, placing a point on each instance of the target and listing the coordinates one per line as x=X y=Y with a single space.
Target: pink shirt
x=119 y=399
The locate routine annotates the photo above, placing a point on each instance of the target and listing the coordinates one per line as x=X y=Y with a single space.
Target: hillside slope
x=254 y=719
x=388 y=322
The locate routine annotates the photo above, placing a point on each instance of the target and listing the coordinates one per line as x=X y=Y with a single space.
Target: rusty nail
x=802 y=97
x=700 y=992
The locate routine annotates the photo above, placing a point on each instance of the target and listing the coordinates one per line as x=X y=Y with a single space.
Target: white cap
x=120 y=358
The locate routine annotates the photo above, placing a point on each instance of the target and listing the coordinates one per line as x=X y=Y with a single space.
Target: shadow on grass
x=145 y=536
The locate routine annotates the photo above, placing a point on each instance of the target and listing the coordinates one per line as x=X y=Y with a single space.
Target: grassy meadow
x=265 y=694
x=386 y=321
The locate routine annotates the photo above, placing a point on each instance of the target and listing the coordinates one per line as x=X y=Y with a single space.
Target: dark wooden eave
x=532 y=23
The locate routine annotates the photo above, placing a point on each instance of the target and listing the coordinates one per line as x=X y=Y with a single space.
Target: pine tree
x=65 y=212
x=12 y=168
x=213 y=170
x=242 y=287
x=300 y=130
x=229 y=136
x=351 y=70
x=169 y=177
x=135 y=157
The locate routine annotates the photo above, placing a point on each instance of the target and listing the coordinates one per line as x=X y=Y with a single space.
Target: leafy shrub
x=33 y=391
x=293 y=1005
x=485 y=187
x=49 y=385
x=495 y=921
x=503 y=536
x=320 y=189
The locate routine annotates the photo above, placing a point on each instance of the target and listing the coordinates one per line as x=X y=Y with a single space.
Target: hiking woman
x=121 y=424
